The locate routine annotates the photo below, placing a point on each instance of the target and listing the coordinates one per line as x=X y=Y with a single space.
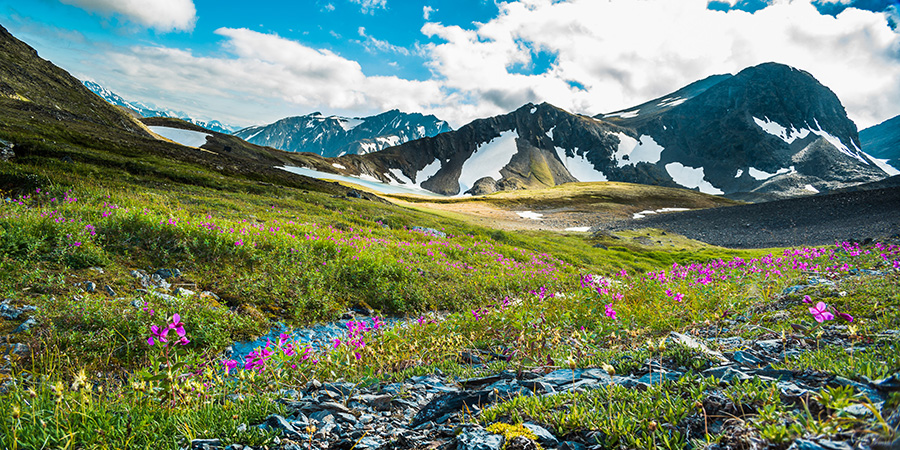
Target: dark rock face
x=769 y=132
x=883 y=141
x=332 y=136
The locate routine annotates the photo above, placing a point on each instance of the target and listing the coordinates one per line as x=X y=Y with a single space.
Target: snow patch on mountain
x=183 y=137
x=690 y=177
x=632 y=151
x=762 y=175
x=775 y=129
x=550 y=132
x=488 y=159
x=579 y=167
x=883 y=165
x=739 y=173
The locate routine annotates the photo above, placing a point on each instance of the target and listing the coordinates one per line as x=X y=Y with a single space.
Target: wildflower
x=177 y=325
x=229 y=365
x=820 y=312
x=845 y=316
x=337 y=341
x=158 y=333
x=807 y=299
x=610 y=312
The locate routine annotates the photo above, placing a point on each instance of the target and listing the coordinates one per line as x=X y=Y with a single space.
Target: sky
x=247 y=63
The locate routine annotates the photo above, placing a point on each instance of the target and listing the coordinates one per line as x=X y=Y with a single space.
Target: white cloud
x=162 y=15
x=369 y=6
x=375 y=45
x=426 y=12
x=625 y=52
x=263 y=68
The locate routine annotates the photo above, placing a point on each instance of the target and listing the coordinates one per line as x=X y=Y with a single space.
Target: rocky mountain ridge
x=332 y=136
x=771 y=131
x=144 y=110
x=883 y=141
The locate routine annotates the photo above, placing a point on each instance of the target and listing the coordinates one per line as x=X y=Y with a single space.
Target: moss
x=512 y=431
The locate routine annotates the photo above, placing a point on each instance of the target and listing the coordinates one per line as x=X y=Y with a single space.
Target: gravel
x=814 y=220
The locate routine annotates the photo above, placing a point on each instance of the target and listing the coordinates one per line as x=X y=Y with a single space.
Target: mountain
x=883 y=141
x=145 y=110
x=332 y=136
x=770 y=131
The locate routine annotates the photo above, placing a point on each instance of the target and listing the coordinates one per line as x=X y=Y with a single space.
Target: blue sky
x=254 y=62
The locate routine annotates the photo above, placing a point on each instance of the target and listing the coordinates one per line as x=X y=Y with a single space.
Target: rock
x=429 y=231
x=537 y=386
x=353 y=193
x=323 y=416
x=109 y=290
x=834 y=445
x=160 y=296
x=770 y=346
x=803 y=444
x=378 y=402
x=693 y=344
x=483 y=186
x=159 y=282
x=545 y=438
x=520 y=443
x=746 y=358
x=334 y=406
x=477 y=438
x=858 y=410
x=168 y=273
x=137 y=303
x=562 y=376
x=208 y=294
x=204 y=444
x=658 y=377
x=891 y=383
x=89 y=286
x=571 y=445
x=6 y=151
x=182 y=292
x=449 y=403
x=370 y=443
x=25 y=326
x=277 y=422
x=793 y=289
x=872 y=394
x=10 y=312
x=771 y=372
x=895 y=445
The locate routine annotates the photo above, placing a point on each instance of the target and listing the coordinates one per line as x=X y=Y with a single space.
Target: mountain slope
x=335 y=136
x=883 y=141
x=145 y=110
x=770 y=131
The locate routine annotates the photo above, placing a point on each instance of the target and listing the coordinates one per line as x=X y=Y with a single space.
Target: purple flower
x=807 y=299
x=229 y=365
x=177 y=325
x=610 y=312
x=845 y=316
x=337 y=342
x=820 y=312
x=158 y=333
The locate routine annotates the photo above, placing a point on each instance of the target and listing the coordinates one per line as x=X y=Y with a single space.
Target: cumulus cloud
x=260 y=68
x=426 y=12
x=625 y=52
x=162 y=15
x=374 y=45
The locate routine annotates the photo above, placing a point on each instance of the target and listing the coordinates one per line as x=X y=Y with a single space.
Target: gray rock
x=25 y=326
x=277 y=422
x=794 y=289
x=137 y=303
x=160 y=296
x=717 y=372
x=168 y=273
x=323 y=416
x=545 y=438
x=6 y=151
x=872 y=394
x=333 y=406
x=789 y=389
x=537 y=387
x=109 y=290
x=891 y=383
x=571 y=445
x=477 y=438
x=562 y=376
x=10 y=312
x=834 y=445
x=374 y=401
x=694 y=344
x=746 y=358
x=204 y=444
x=658 y=377
x=778 y=374
x=15 y=349
x=803 y=444
x=346 y=418
x=429 y=231
x=89 y=286
x=858 y=410
x=370 y=443
x=182 y=292
x=770 y=346
x=731 y=375
x=450 y=403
